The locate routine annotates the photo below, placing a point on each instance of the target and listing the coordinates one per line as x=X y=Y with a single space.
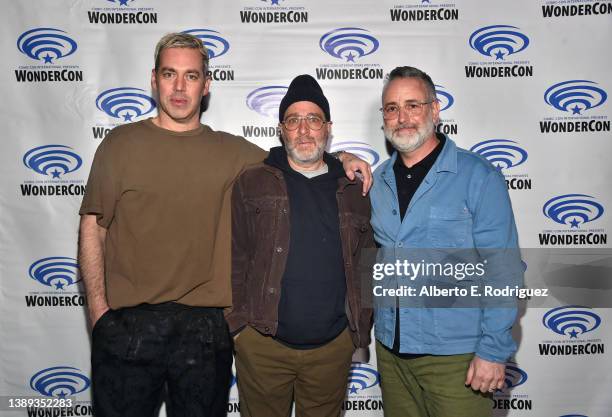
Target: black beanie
x=304 y=88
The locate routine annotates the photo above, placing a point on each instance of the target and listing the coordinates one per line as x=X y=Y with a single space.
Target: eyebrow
x=320 y=116
x=174 y=70
x=406 y=101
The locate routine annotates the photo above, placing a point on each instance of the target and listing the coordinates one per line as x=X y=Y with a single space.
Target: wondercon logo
x=515 y=376
x=125 y=102
x=266 y=100
x=573 y=209
x=571 y=321
x=348 y=43
x=443 y=97
x=214 y=43
x=272 y=2
x=55 y=271
x=46 y=44
x=121 y=2
x=575 y=96
x=53 y=160
x=361 y=149
x=59 y=381
x=498 y=41
x=502 y=153
x=361 y=377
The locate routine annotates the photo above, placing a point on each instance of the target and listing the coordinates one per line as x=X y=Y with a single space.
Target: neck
x=412 y=158
x=162 y=120
x=305 y=166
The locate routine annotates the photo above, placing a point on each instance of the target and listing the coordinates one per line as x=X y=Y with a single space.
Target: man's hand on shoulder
x=485 y=376
x=353 y=164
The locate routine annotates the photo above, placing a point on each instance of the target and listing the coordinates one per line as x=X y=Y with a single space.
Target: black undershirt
x=407 y=181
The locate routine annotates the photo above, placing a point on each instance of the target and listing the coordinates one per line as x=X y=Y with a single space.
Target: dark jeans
x=139 y=351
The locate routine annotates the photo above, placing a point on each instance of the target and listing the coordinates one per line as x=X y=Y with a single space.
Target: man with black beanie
x=298 y=225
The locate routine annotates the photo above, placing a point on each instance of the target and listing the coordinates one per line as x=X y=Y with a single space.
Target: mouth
x=305 y=145
x=178 y=101
x=411 y=128
x=305 y=141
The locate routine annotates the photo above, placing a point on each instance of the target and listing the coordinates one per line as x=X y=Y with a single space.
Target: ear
x=435 y=111
x=206 y=88
x=328 y=126
x=153 y=80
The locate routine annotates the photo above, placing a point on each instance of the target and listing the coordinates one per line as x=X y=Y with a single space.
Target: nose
x=179 y=84
x=403 y=115
x=303 y=127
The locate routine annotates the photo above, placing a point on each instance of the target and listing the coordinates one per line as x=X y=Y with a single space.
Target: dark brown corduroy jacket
x=260 y=244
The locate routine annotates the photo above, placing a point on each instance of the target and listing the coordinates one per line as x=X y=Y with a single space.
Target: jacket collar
x=446 y=161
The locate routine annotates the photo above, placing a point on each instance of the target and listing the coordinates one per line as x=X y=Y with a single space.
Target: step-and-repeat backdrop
x=526 y=83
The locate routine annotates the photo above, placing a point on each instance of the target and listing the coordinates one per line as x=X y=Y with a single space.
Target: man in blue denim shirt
x=440 y=362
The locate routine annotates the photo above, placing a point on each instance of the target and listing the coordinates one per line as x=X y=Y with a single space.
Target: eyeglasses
x=413 y=108
x=313 y=122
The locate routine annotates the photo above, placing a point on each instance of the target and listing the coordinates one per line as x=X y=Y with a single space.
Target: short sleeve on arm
x=251 y=153
x=101 y=192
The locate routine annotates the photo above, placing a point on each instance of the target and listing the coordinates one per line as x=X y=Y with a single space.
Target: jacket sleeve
x=364 y=275
x=496 y=239
x=236 y=316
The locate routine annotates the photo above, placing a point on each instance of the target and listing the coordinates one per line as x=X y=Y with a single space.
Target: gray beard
x=411 y=145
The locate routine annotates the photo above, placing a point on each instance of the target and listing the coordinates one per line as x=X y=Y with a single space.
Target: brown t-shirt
x=164 y=198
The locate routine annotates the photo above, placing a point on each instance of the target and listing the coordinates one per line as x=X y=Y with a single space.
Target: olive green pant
x=271 y=376
x=429 y=386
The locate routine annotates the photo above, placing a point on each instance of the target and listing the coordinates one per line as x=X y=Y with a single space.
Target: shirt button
x=257 y=210
x=394 y=212
x=267 y=329
x=271 y=290
x=400 y=244
x=279 y=249
x=284 y=211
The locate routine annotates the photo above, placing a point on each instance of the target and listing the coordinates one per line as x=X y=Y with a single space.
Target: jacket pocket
x=358 y=227
x=262 y=214
x=449 y=227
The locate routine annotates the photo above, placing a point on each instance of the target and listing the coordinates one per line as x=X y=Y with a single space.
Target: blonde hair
x=181 y=40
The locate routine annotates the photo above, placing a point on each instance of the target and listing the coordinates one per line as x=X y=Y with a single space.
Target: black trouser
x=138 y=351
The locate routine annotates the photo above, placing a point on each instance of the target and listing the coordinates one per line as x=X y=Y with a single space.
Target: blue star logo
x=350 y=57
x=576 y=109
x=273 y=2
x=127 y=116
x=55 y=173
x=499 y=167
x=499 y=55
x=573 y=334
x=353 y=389
x=62 y=394
x=123 y=2
x=574 y=223
x=59 y=286
x=48 y=59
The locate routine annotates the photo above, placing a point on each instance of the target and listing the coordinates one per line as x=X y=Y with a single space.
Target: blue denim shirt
x=463 y=202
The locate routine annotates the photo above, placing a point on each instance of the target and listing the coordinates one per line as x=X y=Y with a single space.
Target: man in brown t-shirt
x=154 y=248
